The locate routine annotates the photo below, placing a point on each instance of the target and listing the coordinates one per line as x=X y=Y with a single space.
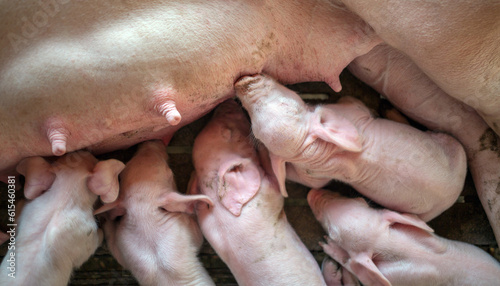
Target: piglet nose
x=312 y=196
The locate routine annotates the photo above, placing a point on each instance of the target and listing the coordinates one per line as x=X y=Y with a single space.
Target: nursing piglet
x=396 y=77
x=57 y=230
x=383 y=247
x=393 y=164
x=148 y=229
x=247 y=225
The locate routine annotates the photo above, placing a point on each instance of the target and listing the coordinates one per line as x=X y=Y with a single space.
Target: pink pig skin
x=456 y=44
x=383 y=247
x=247 y=225
x=148 y=229
x=337 y=275
x=396 y=77
x=58 y=217
x=393 y=164
x=106 y=75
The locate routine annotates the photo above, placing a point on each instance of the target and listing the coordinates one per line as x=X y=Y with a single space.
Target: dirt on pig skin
x=489 y=140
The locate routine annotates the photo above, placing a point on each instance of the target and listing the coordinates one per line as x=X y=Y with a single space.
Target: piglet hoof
x=334 y=274
x=331 y=271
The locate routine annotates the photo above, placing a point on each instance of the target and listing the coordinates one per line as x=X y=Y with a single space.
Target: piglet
x=393 y=164
x=57 y=231
x=148 y=229
x=383 y=247
x=395 y=76
x=247 y=225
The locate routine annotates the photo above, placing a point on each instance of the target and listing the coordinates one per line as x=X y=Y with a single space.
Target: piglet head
x=61 y=196
x=288 y=127
x=226 y=160
x=355 y=231
x=100 y=177
x=149 y=226
x=230 y=171
x=277 y=114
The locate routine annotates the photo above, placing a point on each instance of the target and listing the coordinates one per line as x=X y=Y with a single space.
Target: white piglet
x=383 y=247
x=246 y=225
x=57 y=230
x=396 y=165
x=148 y=229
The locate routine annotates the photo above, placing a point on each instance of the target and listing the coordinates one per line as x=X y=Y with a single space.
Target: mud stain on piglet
x=492 y=202
x=489 y=141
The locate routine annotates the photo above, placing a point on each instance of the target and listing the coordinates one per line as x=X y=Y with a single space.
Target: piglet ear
x=273 y=165
x=104 y=179
x=392 y=217
x=279 y=169
x=115 y=205
x=192 y=187
x=39 y=176
x=239 y=182
x=333 y=250
x=176 y=202
x=361 y=265
x=367 y=272
x=336 y=129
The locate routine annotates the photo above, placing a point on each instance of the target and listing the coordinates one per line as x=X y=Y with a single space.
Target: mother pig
x=455 y=43
x=104 y=75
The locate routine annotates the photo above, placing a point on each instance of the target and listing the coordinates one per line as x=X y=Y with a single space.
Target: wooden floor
x=464 y=221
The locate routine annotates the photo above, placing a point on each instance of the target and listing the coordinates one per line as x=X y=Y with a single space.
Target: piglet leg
x=336 y=275
x=409 y=89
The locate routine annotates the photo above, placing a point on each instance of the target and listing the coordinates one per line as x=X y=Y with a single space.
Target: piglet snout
x=249 y=86
x=313 y=196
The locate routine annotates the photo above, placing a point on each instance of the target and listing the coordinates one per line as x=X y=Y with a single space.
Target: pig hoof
x=332 y=271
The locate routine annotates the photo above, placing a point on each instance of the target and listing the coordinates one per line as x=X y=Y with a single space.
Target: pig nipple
x=58 y=136
x=170 y=112
x=335 y=84
x=165 y=105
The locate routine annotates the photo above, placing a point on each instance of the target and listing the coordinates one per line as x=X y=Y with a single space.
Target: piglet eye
x=162 y=209
x=117 y=218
